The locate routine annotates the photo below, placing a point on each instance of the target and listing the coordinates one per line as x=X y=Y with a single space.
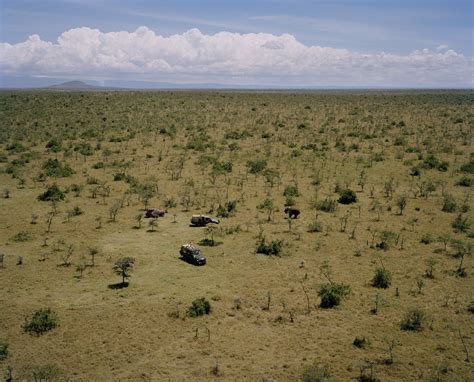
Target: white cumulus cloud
x=232 y=58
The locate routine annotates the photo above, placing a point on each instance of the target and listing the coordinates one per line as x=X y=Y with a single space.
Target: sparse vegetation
x=199 y=307
x=382 y=278
x=242 y=157
x=315 y=373
x=3 y=349
x=41 y=321
x=414 y=320
x=332 y=294
x=273 y=248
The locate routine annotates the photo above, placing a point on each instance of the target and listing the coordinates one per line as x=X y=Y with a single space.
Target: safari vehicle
x=202 y=220
x=192 y=255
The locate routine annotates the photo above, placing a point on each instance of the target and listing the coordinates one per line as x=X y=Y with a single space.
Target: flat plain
x=383 y=180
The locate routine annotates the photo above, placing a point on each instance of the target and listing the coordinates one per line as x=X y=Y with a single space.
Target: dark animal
x=203 y=220
x=292 y=212
x=155 y=212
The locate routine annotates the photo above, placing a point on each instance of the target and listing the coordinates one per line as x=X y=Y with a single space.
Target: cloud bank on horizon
x=227 y=58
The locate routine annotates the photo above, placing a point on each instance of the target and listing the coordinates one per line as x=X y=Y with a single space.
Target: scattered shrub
x=54 y=145
x=291 y=192
x=53 y=193
x=449 y=203
x=461 y=223
x=315 y=373
x=91 y=180
x=199 y=307
x=52 y=167
x=382 y=278
x=98 y=165
x=170 y=203
x=326 y=205
x=222 y=167
x=360 y=342
x=470 y=307
x=414 y=320
x=76 y=211
x=347 y=196
x=256 y=166
x=415 y=171
x=119 y=176
x=273 y=248
x=21 y=236
x=3 y=349
x=46 y=373
x=84 y=148
x=41 y=321
x=315 y=227
x=76 y=188
x=430 y=162
x=333 y=294
x=16 y=147
x=227 y=210
x=386 y=240
x=427 y=238
x=468 y=167
x=465 y=181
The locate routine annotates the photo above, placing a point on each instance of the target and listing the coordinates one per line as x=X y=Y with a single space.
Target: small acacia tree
x=122 y=267
x=402 y=203
x=268 y=206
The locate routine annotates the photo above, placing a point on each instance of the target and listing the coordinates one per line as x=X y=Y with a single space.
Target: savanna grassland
x=373 y=281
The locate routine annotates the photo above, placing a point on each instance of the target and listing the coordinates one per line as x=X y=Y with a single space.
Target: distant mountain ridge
x=76 y=85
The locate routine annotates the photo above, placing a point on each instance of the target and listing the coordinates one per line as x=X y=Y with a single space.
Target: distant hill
x=82 y=86
x=74 y=85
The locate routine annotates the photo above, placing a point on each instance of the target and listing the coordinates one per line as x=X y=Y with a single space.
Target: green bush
x=315 y=227
x=54 y=145
x=222 y=167
x=326 y=205
x=415 y=171
x=256 y=166
x=465 y=181
x=52 y=167
x=468 y=167
x=315 y=373
x=347 y=196
x=273 y=248
x=3 y=349
x=21 y=237
x=449 y=203
x=430 y=162
x=291 y=192
x=98 y=165
x=199 y=307
x=227 y=210
x=53 y=193
x=118 y=176
x=427 y=238
x=386 y=240
x=333 y=294
x=382 y=278
x=461 y=223
x=84 y=148
x=170 y=203
x=41 y=321
x=414 y=320
x=360 y=342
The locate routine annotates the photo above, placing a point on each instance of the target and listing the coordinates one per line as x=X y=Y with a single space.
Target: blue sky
x=364 y=27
